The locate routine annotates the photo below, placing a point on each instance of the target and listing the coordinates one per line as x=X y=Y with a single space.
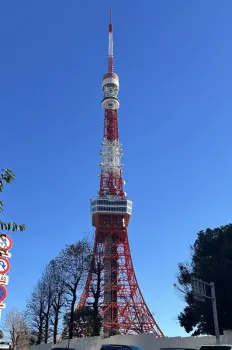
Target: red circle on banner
x=3 y=293
x=5 y=242
x=4 y=265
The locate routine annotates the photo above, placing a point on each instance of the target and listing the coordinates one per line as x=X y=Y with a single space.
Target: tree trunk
x=13 y=338
x=40 y=333
x=40 y=328
x=55 y=329
x=71 y=324
x=46 y=329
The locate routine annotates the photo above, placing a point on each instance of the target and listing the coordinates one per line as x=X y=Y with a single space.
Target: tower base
x=111 y=287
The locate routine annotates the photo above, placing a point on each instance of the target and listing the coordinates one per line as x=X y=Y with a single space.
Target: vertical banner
x=5 y=246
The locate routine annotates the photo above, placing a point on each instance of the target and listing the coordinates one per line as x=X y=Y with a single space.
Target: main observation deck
x=110 y=206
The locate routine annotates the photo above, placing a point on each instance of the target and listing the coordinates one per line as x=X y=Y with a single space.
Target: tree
x=114 y=332
x=87 y=320
x=5 y=178
x=74 y=260
x=35 y=313
x=211 y=261
x=59 y=291
x=16 y=326
x=43 y=307
x=47 y=285
x=46 y=302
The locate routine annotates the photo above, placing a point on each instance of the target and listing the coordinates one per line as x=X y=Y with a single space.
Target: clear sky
x=174 y=62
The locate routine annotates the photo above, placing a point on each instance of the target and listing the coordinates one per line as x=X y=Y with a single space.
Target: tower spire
x=110 y=48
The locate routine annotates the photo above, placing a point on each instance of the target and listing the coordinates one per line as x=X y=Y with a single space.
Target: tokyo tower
x=114 y=289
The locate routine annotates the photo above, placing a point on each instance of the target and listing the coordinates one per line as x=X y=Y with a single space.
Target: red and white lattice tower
x=115 y=289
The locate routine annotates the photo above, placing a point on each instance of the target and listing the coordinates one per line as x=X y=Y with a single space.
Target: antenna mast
x=110 y=48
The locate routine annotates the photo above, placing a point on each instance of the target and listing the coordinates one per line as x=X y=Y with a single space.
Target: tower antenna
x=110 y=48
x=110 y=16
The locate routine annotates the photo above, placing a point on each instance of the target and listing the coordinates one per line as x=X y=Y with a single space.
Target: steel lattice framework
x=111 y=280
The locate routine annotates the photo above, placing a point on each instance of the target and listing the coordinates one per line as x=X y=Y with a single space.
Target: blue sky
x=174 y=62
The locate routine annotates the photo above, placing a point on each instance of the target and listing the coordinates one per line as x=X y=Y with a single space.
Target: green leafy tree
x=5 y=178
x=114 y=331
x=211 y=261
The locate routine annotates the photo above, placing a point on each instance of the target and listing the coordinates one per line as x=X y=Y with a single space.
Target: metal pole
x=215 y=316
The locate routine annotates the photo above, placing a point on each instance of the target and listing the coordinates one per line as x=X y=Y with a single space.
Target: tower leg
x=110 y=283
